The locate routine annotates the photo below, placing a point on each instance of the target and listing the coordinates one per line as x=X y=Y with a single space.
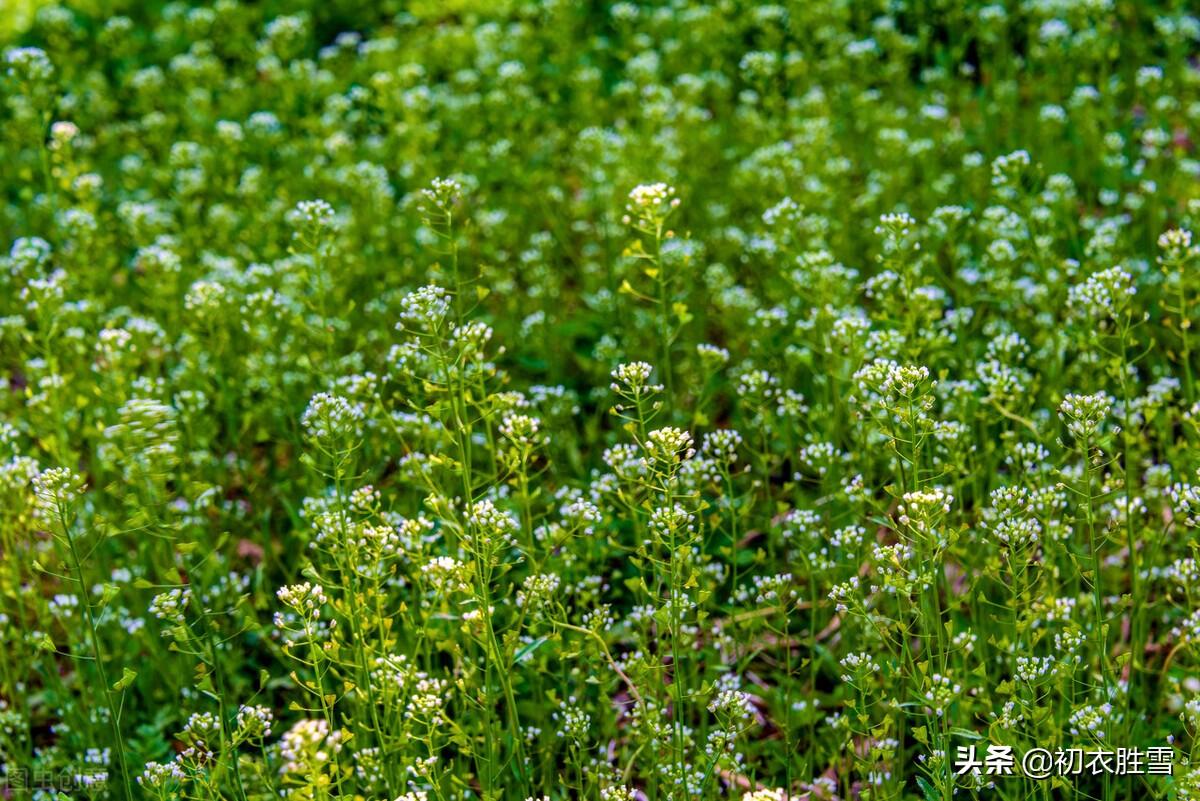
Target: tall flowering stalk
x=647 y=211
x=57 y=493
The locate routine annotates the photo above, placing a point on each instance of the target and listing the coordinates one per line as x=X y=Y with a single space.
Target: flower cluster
x=545 y=400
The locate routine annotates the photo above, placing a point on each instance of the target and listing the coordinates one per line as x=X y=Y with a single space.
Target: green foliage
x=522 y=400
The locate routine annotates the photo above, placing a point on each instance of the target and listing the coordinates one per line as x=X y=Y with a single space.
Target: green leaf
x=528 y=650
x=126 y=679
x=966 y=734
x=928 y=790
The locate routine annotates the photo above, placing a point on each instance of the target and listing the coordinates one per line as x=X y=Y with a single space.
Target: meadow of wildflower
x=534 y=399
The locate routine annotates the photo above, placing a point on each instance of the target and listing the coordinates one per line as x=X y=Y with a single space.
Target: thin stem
x=114 y=713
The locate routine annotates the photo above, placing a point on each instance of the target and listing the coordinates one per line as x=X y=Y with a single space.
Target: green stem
x=114 y=713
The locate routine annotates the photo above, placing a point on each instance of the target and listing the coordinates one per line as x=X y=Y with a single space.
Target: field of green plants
x=535 y=399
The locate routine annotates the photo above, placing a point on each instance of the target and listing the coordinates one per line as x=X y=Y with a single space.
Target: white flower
x=426 y=307
x=55 y=492
x=1104 y=294
x=305 y=599
x=633 y=380
x=669 y=446
x=312 y=216
x=649 y=206
x=442 y=196
x=159 y=776
x=253 y=723
x=331 y=420
x=1083 y=414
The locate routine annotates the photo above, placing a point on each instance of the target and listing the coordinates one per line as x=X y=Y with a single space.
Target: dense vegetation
x=506 y=400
